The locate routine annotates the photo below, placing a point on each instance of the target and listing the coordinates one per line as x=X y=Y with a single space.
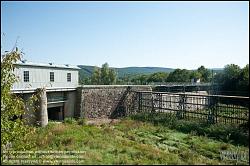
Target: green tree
x=140 y=79
x=205 y=74
x=112 y=76
x=157 y=77
x=179 y=75
x=83 y=79
x=96 y=76
x=195 y=75
x=14 y=131
x=104 y=76
x=243 y=82
x=231 y=77
x=233 y=80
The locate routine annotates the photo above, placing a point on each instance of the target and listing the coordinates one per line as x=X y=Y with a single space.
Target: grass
x=131 y=142
x=231 y=133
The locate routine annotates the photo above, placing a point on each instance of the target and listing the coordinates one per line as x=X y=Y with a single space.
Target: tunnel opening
x=55 y=113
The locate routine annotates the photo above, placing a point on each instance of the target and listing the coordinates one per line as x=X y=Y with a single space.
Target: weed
x=70 y=121
x=135 y=142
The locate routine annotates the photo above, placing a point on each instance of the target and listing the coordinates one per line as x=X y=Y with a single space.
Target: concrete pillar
x=42 y=107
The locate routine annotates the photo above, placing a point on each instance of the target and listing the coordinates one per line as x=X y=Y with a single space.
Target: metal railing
x=191 y=106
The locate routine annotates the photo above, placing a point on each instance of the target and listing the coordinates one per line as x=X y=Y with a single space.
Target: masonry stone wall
x=106 y=101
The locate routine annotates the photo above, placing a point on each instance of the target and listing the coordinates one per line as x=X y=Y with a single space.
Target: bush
x=225 y=132
x=70 y=121
x=14 y=130
x=81 y=121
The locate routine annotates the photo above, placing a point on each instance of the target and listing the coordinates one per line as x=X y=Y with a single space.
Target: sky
x=156 y=34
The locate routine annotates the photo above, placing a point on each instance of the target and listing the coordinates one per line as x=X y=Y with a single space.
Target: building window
x=26 y=76
x=69 y=77
x=51 y=76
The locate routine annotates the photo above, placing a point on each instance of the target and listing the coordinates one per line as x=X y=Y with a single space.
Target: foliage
x=234 y=80
x=13 y=126
x=131 y=142
x=81 y=121
x=205 y=74
x=84 y=79
x=70 y=120
x=140 y=79
x=179 y=75
x=87 y=71
x=195 y=75
x=103 y=76
x=96 y=76
x=243 y=82
x=158 y=77
x=225 y=132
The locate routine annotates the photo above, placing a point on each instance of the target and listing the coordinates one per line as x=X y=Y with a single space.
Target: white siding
x=40 y=77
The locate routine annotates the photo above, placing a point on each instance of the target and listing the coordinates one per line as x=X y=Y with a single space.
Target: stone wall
x=106 y=101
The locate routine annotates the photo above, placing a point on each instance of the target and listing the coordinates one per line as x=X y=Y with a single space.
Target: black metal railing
x=191 y=106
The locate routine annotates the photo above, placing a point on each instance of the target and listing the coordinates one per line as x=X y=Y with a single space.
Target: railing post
x=181 y=107
x=140 y=101
x=184 y=106
x=152 y=103
x=212 y=107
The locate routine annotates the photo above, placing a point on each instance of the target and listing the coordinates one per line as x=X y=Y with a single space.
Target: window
x=69 y=77
x=26 y=76
x=51 y=76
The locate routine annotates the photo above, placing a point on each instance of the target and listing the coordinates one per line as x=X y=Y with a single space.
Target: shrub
x=81 y=121
x=225 y=132
x=14 y=130
x=70 y=121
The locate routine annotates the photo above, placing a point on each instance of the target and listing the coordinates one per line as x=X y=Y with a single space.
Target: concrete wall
x=33 y=116
x=70 y=104
x=106 y=101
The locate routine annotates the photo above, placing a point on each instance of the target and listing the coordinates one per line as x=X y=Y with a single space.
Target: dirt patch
x=100 y=121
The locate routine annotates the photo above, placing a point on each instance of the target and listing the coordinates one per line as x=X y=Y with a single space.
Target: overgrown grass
x=235 y=134
x=132 y=142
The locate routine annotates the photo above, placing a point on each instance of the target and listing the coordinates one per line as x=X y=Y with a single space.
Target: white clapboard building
x=60 y=82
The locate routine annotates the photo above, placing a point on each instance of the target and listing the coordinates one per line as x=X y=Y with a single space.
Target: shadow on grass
x=237 y=135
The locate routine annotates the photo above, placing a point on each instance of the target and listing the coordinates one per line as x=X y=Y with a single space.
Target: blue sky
x=161 y=34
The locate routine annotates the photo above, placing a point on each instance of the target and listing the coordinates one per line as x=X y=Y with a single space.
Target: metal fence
x=192 y=106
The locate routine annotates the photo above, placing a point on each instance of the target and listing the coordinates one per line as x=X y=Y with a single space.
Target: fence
x=191 y=106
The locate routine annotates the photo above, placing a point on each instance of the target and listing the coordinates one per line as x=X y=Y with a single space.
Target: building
x=60 y=82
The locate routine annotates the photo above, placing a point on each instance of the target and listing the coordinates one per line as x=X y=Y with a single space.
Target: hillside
x=87 y=70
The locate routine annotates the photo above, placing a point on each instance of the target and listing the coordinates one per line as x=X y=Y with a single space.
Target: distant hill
x=217 y=70
x=141 y=70
x=88 y=70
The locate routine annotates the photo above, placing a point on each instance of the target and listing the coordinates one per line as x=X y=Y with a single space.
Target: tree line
x=108 y=76
x=231 y=79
